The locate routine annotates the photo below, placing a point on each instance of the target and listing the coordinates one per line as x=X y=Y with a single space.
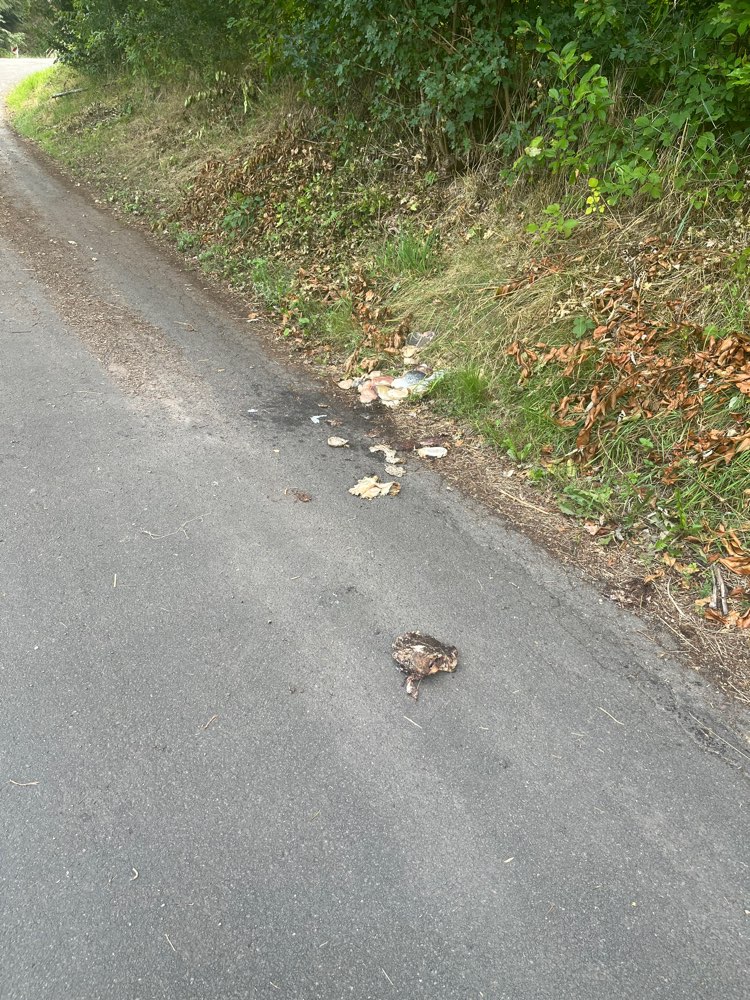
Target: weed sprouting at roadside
x=462 y=392
x=406 y=253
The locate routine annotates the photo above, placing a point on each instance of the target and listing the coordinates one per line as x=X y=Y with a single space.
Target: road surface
x=212 y=785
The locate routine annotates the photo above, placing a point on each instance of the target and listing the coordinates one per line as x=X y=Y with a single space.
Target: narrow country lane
x=212 y=785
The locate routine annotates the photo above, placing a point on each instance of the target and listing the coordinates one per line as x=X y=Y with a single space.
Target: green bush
x=603 y=90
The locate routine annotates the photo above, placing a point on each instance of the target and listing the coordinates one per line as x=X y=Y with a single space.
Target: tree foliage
x=599 y=87
x=12 y=13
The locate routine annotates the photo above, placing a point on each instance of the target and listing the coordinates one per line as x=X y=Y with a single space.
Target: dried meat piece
x=370 y=487
x=420 y=656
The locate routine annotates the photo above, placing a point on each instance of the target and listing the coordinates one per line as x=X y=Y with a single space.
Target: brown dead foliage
x=271 y=175
x=641 y=366
x=289 y=191
x=537 y=269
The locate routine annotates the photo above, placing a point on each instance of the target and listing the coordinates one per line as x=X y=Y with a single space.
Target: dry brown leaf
x=737 y=564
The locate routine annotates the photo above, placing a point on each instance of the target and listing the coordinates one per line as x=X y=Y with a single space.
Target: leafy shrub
x=603 y=90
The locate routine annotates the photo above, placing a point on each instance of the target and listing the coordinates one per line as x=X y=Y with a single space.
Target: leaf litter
x=630 y=367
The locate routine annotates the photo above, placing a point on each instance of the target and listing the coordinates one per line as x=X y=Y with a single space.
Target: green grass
x=337 y=328
x=407 y=253
x=27 y=92
x=26 y=101
x=272 y=281
x=624 y=483
x=462 y=392
x=330 y=327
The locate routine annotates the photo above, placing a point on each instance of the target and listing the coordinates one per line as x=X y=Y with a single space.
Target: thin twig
x=207 y=724
x=170 y=943
x=524 y=503
x=65 y=93
x=611 y=716
x=198 y=517
x=679 y=610
x=678 y=634
x=719 y=594
x=740 y=694
x=412 y=722
x=388 y=977
x=23 y=784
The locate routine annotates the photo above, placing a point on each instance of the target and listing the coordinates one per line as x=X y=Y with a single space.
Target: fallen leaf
x=395 y=470
x=345 y=383
x=432 y=452
x=337 y=442
x=370 y=487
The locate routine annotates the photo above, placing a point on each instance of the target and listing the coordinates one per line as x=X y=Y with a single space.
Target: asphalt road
x=212 y=785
